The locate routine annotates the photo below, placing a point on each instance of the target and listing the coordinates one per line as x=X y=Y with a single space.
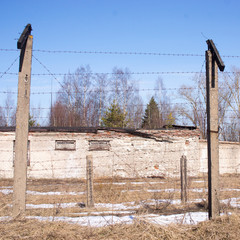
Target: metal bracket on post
x=21 y=44
x=213 y=62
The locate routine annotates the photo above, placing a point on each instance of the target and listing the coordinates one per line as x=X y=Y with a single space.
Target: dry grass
x=222 y=228
x=119 y=191
x=140 y=191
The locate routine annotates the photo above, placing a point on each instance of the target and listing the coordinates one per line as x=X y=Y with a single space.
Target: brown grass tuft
x=222 y=228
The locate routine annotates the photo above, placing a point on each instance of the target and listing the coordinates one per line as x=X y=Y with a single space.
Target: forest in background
x=85 y=99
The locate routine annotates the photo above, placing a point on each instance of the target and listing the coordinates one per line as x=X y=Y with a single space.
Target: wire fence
x=137 y=181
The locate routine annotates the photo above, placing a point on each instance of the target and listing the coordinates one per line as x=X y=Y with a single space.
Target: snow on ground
x=101 y=221
x=49 y=205
x=6 y=191
x=9 y=191
x=187 y=218
x=164 y=190
x=90 y=221
x=233 y=202
x=108 y=213
x=54 y=193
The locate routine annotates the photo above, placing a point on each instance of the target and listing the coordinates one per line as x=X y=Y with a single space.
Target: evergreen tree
x=170 y=120
x=114 y=117
x=32 y=122
x=151 y=118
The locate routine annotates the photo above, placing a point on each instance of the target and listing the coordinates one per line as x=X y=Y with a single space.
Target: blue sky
x=118 y=25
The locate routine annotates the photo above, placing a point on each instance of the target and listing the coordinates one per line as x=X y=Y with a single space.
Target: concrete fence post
x=22 y=121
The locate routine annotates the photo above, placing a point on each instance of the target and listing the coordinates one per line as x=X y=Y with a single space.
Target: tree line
x=89 y=100
x=85 y=99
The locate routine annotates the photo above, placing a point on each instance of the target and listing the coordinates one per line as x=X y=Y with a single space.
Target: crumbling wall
x=157 y=153
x=229 y=157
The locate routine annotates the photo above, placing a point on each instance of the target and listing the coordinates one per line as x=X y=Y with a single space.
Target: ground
x=143 y=208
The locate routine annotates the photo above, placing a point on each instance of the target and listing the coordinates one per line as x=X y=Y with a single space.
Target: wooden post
x=22 y=118
x=213 y=62
x=89 y=166
x=183 y=166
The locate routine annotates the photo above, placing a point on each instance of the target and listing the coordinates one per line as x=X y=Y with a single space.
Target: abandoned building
x=61 y=152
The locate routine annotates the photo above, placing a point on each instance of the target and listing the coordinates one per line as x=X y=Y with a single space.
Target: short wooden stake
x=89 y=166
x=183 y=166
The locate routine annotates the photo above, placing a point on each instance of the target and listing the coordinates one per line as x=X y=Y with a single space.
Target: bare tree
x=2 y=117
x=74 y=96
x=194 y=106
x=135 y=111
x=125 y=92
x=166 y=109
x=58 y=115
x=232 y=99
x=99 y=98
x=10 y=110
x=85 y=97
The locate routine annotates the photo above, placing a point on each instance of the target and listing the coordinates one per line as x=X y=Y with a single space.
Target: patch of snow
x=136 y=190
x=101 y=221
x=163 y=190
x=54 y=193
x=49 y=205
x=117 y=206
x=231 y=189
x=103 y=213
x=115 y=183
x=136 y=183
x=198 y=190
x=4 y=218
x=188 y=218
x=91 y=221
x=234 y=202
x=6 y=191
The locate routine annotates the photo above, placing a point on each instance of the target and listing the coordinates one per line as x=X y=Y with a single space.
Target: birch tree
x=232 y=99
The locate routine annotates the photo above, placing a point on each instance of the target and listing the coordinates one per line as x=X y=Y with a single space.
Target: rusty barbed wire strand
x=5 y=72
x=120 y=53
x=49 y=72
x=112 y=73
x=8 y=50
x=117 y=53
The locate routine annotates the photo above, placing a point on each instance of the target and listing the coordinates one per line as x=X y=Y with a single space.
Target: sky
x=154 y=26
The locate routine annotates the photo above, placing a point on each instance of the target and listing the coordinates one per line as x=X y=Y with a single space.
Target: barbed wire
x=101 y=73
x=117 y=73
x=49 y=72
x=8 y=50
x=120 y=53
x=5 y=72
x=111 y=90
x=117 y=53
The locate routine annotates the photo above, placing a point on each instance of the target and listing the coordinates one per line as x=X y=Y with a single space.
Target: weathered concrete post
x=22 y=117
x=213 y=61
x=183 y=166
x=89 y=166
